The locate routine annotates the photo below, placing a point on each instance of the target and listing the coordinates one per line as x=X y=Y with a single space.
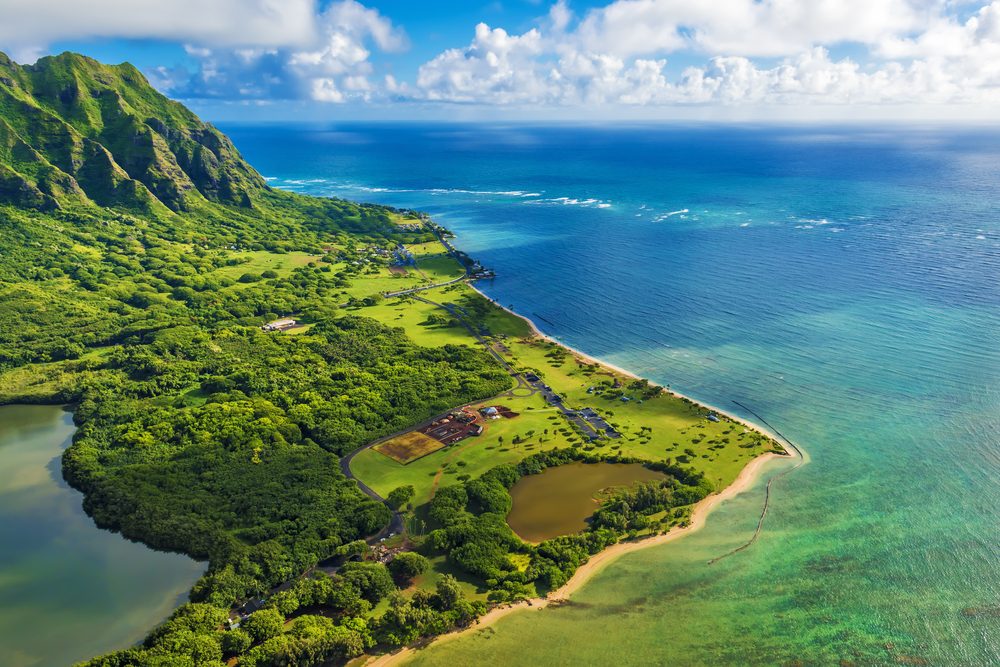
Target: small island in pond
x=307 y=393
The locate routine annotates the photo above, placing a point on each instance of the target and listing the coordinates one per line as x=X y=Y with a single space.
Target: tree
x=264 y=624
x=407 y=565
x=399 y=496
x=235 y=642
x=448 y=591
x=371 y=579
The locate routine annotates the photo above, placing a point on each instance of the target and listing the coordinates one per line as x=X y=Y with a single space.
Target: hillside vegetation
x=139 y=257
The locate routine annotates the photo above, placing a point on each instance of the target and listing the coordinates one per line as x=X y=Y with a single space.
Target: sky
x=756 y=60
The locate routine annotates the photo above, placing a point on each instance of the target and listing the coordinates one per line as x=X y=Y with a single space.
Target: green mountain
x=139 y=257
x=73 y=130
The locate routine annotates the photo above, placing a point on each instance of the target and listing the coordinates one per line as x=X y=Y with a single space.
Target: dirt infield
x=408 y=447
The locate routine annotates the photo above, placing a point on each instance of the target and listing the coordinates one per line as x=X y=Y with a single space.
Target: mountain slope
x=74 y=130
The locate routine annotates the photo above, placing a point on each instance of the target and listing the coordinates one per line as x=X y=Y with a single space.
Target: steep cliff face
x=74 y=130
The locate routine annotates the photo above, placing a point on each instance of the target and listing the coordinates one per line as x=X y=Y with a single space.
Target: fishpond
x=559 y=500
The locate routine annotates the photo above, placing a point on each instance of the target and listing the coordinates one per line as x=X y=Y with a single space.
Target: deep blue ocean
x=844 y=282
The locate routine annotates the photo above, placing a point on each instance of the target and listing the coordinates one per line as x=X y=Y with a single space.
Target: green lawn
x=472 y=456
x=439 y=268
x=412 y=316
x=258 y=261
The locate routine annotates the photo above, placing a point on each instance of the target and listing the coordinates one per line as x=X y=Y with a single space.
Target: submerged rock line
x=767 y=489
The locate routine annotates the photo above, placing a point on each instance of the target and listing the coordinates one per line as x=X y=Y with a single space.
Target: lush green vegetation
x=139 y=257
x=471 y=528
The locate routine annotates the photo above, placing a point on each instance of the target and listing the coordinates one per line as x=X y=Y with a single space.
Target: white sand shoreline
x=594 y=360
x=599 y=561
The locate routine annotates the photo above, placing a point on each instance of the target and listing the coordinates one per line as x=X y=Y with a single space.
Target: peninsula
x=308 y=393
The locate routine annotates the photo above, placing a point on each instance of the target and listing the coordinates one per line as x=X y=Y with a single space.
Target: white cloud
x=28 y=26
x=748 y=27
x=495 y=65
x=919 y=54
x=333 y=66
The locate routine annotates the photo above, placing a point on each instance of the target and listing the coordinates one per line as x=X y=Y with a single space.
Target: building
x=280 y=325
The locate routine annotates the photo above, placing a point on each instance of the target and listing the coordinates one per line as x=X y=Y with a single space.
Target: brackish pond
x=561 y=499
x=68 y=590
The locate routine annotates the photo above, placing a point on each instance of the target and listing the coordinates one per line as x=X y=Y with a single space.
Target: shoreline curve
x=699 y=515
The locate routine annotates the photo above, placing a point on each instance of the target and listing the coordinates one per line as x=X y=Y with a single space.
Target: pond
x=559 y=500
x=68 y=590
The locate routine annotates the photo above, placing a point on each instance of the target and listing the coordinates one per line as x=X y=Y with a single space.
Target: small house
x=280 y=325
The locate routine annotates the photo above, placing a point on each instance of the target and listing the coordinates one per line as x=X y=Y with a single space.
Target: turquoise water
x=842 y=282
x=68 y=591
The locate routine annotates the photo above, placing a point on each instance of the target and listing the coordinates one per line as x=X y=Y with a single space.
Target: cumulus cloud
x=28 y=26
x=332 y=66
x=747 y=27
x=625 y=53
x=919 y=53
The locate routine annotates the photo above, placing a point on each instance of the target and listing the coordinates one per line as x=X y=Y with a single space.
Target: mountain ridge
x=75 y=131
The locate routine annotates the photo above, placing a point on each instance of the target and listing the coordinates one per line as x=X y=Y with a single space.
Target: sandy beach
x=599 y=561
x=596 y=563
x=594 y=360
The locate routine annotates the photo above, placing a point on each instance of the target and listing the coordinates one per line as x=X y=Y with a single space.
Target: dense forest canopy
x=140 y=256
x=133 y=247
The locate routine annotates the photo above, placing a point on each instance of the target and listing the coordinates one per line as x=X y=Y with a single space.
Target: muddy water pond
x=559 y=500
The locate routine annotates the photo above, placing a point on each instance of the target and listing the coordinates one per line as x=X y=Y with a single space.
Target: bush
x=400 y=496
x=407 y=565
x=235 y=642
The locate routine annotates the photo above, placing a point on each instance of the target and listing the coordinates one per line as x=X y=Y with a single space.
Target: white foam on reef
x=571 y=201
x=681 y=212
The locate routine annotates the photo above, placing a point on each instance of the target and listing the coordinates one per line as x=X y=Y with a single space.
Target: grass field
x=413 y=316
x=258 y=261
x=473 y=456
x=408 y=447
x=663 y=426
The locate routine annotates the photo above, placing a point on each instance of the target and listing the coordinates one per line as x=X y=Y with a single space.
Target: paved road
x=413 y=290
x=454 y=254
x=553 y=399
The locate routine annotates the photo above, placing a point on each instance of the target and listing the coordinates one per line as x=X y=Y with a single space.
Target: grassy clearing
x=416 y=318
x=440 y=566
x=299 y=330
x=258 y=261
x=439 y=268
x=408 y=447
x=472 y=456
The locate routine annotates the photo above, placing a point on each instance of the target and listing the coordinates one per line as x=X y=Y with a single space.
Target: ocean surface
x=842 y=282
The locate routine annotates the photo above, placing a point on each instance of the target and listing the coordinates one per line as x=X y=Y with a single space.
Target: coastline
x=618 y=369
x=597 y=562
x=699 y=515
